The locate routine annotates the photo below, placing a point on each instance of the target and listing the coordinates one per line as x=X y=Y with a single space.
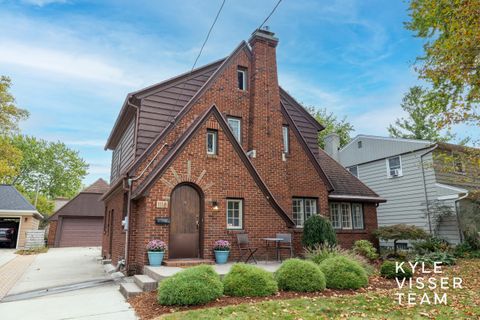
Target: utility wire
x=271 y=13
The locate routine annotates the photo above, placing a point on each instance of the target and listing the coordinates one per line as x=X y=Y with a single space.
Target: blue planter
x=221 y=257
x=155 y=258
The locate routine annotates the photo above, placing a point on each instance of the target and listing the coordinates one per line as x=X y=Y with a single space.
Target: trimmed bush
x=193 y=286
x=320 y=253
x=245 y=280
x=366 y=249
x=318 y=230
x=387 y=270
x=300 y=275
x=343 y=273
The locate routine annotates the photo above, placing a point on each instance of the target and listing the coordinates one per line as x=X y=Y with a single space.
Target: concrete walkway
x=6 y=255
x=60 y=266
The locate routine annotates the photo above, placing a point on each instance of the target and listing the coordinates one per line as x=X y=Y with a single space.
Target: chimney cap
x=263 y=35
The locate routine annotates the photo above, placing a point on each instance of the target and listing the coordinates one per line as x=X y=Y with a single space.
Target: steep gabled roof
x=343 y=182
x=179 y=115
x=186 y=84
x=183 y=141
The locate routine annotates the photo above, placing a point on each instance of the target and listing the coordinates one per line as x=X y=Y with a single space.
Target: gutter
x=425 y=186
x=456 y=202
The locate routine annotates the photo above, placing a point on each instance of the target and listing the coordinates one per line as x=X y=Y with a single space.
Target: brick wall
x=52 y=231
x=114 y=218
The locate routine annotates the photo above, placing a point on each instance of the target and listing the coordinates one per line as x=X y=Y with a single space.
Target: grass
x=26 y=252
x=462 y=304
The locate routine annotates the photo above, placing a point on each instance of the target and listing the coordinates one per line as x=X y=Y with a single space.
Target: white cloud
x=63 y=62
x=86 y=143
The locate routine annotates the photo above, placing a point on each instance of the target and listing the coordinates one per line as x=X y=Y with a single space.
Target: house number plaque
x=162 y=204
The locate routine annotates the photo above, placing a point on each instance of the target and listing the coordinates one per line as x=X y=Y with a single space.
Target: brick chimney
x=266 y=120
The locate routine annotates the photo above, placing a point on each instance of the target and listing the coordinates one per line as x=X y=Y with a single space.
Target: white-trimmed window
x=234 y=213
x=394 y=167
x=346 y=215
x=242 y=78
x=286 y=146
x=235 y=125
x=303 y=208
x=335 y=217
x=212 y=137
x=353 y=170
x=357 y=214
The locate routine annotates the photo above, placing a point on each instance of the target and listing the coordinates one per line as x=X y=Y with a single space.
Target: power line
x=271 y=13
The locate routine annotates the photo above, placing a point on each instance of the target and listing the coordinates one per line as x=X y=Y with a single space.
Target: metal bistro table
x=268 y=241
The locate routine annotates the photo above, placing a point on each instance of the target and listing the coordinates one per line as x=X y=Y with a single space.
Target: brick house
x=219 y=151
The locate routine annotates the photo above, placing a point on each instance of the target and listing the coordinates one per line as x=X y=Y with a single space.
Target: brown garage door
x=81 y=232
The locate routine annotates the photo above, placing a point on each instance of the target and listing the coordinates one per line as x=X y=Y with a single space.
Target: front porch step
x=145 y=283
x=185 y=263
x=129 y=289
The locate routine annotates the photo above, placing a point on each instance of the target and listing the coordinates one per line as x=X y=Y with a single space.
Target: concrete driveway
x=62 y=266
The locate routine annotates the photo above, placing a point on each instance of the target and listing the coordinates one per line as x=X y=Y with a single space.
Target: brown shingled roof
x=99 y=186
x=343 y=182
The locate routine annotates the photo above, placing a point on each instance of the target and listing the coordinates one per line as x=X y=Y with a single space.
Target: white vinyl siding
x=303 y=208
x=235 y=125
x=234 y=214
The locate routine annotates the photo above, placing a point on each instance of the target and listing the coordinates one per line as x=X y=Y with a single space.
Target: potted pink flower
x=156 y=250
x=222 y=251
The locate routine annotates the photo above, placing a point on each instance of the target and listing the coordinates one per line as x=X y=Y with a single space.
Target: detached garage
x=79 y=223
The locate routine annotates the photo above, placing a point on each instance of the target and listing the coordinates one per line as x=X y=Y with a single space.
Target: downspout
x=425 y=186
x=458 y=218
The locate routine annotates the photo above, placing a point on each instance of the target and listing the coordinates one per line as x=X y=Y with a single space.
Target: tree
x=318 y=231
x=421 y=122
x=10 y=159
x=400 y=232
x=450 y=63
x=10 y=113
x=332 y=124
x=55 y=169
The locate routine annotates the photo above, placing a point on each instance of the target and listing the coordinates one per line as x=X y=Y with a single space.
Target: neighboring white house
x=402 y=171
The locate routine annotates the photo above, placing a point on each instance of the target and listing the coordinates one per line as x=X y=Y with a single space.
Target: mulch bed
x=147 y=307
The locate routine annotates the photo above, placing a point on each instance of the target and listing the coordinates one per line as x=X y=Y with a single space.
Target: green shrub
x=343 y=273
x=245 y=280
x=318 y=230
x=322 y=252
x=192 y=286
x=300 y=275
x=387 y=270
x=366 y=249
x=464 y=250
x=431 y=244
x=444 y=257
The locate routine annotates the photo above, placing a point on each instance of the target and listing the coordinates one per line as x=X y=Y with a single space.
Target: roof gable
x=83 y=204
x=99 y=186
x=183 y=141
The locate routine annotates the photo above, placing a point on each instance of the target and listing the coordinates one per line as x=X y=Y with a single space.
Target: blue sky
x=72 y=62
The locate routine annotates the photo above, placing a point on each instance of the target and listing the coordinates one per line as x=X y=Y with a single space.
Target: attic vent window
x=242 y=78
x=359 y=144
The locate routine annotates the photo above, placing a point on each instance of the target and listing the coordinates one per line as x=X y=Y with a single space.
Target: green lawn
x=462 y=304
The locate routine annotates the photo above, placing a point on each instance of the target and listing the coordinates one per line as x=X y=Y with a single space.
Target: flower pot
x=155 y=258
x=221 y=257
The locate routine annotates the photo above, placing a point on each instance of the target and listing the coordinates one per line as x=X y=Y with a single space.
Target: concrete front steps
x=148 y=281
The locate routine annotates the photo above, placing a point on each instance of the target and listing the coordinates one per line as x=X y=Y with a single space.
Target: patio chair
x=245 y=248
x=285 y=243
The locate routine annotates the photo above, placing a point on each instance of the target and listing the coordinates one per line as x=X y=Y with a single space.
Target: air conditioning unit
x=396 y=172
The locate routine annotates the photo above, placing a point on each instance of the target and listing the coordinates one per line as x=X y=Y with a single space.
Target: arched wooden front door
x=185 y=223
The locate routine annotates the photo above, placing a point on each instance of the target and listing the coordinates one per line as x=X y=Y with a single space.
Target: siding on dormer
x=124 y=153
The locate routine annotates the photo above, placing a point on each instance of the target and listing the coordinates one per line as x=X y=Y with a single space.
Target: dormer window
x=242 y=78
